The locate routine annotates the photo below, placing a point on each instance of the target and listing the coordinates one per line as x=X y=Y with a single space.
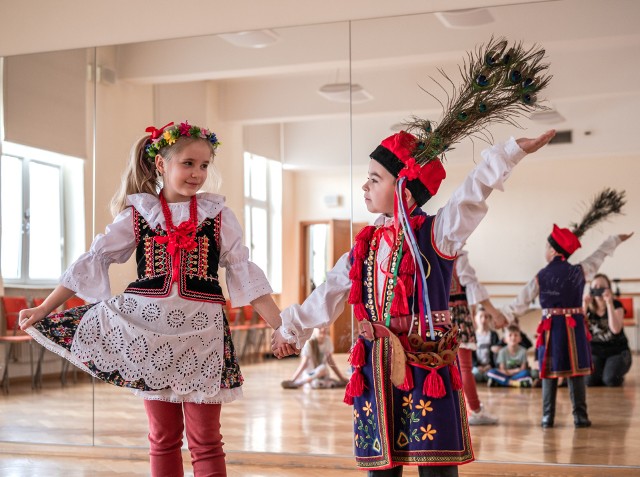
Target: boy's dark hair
x=513 y=328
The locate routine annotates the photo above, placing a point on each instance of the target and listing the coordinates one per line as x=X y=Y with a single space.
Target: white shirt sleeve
x=593 y=262
x=88 y=276
x=522 y=302
x=475 y=291
x=321 y=308
x=245 y=280
x=467 y=206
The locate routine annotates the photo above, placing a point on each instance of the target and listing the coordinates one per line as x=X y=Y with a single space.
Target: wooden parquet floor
x=85 y=430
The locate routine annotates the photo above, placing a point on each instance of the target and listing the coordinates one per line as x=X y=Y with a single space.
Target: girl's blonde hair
x=141 y=175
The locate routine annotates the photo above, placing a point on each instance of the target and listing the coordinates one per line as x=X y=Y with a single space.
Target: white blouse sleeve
x=467 y=206
x=593 y=262
x=522 y=302
x=475 y=291
x=321 y=308
x=245 y=280
x=88 y=276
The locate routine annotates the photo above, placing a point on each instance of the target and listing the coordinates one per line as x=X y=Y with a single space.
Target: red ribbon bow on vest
x=180 y=238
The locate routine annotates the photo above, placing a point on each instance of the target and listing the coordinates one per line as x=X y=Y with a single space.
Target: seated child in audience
x=513 y=368
x=487 y=345
x=316 y=359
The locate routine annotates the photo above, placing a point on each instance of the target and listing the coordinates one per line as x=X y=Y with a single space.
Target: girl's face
x=379 y=189
x=184 y=174
x=599 y=283
x=483 y=319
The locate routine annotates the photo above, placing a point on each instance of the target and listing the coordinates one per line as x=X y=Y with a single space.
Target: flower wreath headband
x=169 y=134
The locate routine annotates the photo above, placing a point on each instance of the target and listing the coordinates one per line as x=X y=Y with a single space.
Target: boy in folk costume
x=563 y=338
x=405 y=386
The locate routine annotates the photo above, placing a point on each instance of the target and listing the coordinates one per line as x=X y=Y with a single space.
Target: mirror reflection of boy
x=563 y=338
x=513 y=369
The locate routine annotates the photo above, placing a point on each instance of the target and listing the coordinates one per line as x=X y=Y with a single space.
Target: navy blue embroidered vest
x=457 y=292
x=198 y=277
x=561 y=284
x=437 y=266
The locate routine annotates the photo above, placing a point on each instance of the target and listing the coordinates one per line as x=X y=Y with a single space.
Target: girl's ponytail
x=140 y=176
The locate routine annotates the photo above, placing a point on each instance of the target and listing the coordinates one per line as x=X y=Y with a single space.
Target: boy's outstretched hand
x=532 y=145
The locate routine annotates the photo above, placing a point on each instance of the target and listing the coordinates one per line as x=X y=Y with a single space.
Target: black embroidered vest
x=198 y=269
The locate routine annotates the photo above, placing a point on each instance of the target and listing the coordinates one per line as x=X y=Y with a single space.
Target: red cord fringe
x=356 y=357
x=434 y=386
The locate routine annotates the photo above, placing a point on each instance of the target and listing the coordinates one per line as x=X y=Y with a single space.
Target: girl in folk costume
x=465 y=291
x=166 y=337
x=405 y=386
x=563 y=338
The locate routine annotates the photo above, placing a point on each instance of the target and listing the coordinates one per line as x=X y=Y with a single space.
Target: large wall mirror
x=287 y=107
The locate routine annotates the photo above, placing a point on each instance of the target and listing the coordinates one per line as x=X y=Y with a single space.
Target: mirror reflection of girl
x=315 y=365
x=610 y=351
x=467 y=290
x=166 y=337
x=487 y=345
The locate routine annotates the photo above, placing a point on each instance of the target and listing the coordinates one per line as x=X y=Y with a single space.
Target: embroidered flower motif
x=355 y=438
x=367 y=408
x=428 y=432
x=425 y=406
x=356 y=415
x=411 y=170
x=408 y=401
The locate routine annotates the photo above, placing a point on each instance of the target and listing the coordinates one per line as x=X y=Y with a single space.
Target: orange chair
x=73 y=302
x=11 y=306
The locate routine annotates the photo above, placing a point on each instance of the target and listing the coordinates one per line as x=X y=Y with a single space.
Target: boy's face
x=379 y=189
x=513 y=338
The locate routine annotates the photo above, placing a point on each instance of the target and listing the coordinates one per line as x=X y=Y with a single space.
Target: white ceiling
x=593 y=47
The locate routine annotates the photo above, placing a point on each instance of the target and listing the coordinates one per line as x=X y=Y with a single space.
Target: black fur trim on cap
x=557 y=247
x=391 y=163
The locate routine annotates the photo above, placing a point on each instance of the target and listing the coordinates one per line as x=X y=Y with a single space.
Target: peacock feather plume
x=500 y=82
x=606 y=203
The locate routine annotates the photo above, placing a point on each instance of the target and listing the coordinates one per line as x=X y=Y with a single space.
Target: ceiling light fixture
x=550 y=116
x=340 y=93
x=467 y=18
x=251 y=39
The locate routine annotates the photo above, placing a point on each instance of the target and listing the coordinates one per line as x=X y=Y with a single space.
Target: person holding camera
x=610 y=353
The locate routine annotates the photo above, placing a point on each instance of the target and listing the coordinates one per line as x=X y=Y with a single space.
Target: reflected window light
x=263 y=215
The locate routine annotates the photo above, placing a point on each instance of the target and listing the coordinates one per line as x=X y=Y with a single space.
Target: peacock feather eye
x=491 y=59
x=528 y=84
x=482 y=107
x=421 y=146
x=515 y=76
x=528 y=98
x=427 y=127
x=482 y=81
x=462 y=116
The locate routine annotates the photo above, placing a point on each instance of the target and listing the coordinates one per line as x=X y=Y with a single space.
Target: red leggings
x=166 y=426
x=468 y=380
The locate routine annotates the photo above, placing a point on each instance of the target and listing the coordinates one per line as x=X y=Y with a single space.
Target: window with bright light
x=32 y=214
x=263 y=215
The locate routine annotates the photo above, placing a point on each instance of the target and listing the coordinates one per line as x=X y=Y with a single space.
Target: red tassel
x=355 y=294
x=355 y=386
x=399 y=305
x=546 y=324
x=417 y=221
x=540 y=340
x=366 y=233
x=456 y=380
x=359 y=251
x=347 y=399
x=571 y=321
x=360 y=312
x=407 y=265
x=356 y=271
x=407 y=280
x=356 y=357
x=407 y=385
x=433 y=385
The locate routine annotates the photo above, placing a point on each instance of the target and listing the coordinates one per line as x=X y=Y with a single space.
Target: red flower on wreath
x=185 y=129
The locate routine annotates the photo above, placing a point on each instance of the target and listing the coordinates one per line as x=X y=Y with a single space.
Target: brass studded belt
x=562 y=311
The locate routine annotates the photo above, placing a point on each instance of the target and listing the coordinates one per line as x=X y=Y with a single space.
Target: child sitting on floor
x=513 y=369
